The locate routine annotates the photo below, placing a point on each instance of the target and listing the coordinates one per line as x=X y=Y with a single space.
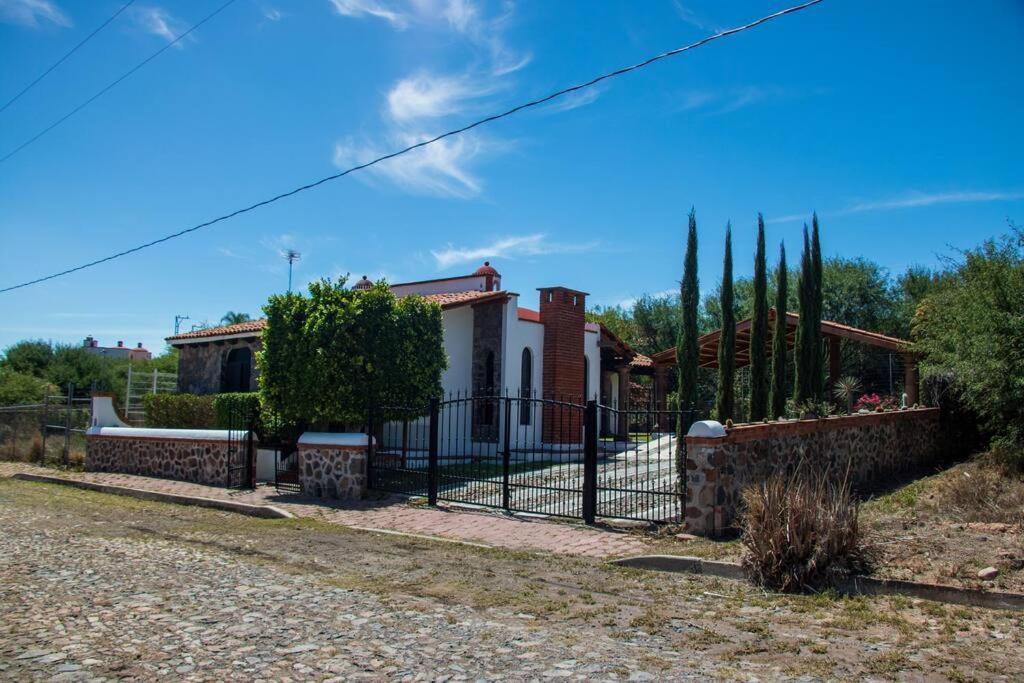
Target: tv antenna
x=292 y=257
x=177 y=322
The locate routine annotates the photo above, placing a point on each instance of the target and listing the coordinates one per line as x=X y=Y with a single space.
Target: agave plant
x=845 y=388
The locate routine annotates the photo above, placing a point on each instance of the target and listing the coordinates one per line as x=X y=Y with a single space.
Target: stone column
x=911 y=378
x=623 y=400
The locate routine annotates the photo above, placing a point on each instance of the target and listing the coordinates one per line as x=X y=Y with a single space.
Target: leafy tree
x=972 y=327
x=687 y=351
x=657 y=320
x=777 y=397
x=233 y=318
x=30 y=357
x=330 y=356
x=87 y=371
x=725 y=400
x=18 y=388
x=759 y=332
x=617 y=319
x=805 y=350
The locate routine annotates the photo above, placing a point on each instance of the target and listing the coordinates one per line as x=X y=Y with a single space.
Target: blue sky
x=898 y=122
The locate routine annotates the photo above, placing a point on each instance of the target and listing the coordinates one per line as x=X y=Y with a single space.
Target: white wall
x=522 y=334
x=457 y=325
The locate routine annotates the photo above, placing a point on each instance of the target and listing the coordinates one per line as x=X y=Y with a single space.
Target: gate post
x=435 y=411
x=250 y=454
x=371 y=438
x=67 y=425
x=590 y=463
x=506 y=456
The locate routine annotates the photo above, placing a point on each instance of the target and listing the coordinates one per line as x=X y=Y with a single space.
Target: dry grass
x=799 y=529
x=983 y=493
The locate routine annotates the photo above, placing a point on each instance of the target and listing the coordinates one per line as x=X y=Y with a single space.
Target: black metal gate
x=241 y=451
x=532 y=455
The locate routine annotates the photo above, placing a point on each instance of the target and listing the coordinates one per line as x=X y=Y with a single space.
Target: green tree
x=617 y=319
x=972 y=327
x=87 y=371
x=233 y=318
x=17 y=388
x=330 y=356
x=777 y=397
x=30 y=357
x=759 y=332
x=817 y=357
x=803 y=384
x=725 y=398
x=687 y=351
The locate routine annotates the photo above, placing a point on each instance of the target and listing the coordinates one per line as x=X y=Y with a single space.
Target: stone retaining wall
x=333 y=470
x=873 y=446
x=197 y=461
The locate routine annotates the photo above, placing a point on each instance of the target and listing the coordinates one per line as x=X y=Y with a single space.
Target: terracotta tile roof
x=252 y=326
x=528 y=314
x=455 y=299
x=641 y=361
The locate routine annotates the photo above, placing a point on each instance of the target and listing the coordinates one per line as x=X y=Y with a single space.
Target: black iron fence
x=532 y=455
x=49 y=433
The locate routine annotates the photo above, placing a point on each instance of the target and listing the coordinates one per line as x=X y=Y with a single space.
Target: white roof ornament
x=707 y=429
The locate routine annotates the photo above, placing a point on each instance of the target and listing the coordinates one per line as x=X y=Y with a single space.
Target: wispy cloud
x=506 y=247
x=160 y=22
x=728 y=100
x=369 y=8
x=580 y=98
x=911 y=200
x=692 y=18
x=441 y=169
x=427 y=96
x=32 y=13
x=272 y=14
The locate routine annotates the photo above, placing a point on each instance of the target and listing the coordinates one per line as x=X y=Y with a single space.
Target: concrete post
x=911 y=379
x=623 y=400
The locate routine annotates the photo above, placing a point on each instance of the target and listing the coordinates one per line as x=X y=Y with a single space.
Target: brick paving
x=392 y=514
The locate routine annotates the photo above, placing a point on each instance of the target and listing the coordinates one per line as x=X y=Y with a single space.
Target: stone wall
x=333 y=470
x=197 y=461
x=874 y=447
x=201 y=366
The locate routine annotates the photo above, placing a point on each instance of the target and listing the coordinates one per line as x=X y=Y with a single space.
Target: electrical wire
x=66 y=55
x=424 y=143
x=114 y=83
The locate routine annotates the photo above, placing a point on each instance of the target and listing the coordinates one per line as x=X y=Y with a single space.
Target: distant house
x=493 y=345
x=92 y=346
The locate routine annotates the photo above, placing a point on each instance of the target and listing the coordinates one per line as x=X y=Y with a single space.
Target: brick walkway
x=392 y=514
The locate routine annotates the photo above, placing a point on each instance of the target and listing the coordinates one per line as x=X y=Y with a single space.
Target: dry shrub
x=801 y=529
x=982 y=491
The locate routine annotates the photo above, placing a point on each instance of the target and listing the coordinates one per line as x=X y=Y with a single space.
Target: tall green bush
x=807 y=385
x=759 y=332
x=235 y=410
x=329 y=356
x=179 y=411
x=687 y=351
x=777 y=398
x=725 y=399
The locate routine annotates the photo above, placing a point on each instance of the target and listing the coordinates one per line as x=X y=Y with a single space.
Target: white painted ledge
x=167 y=434
x=336 y=439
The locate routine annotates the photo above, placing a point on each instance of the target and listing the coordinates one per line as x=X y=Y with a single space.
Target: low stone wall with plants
x=333 y=465
x=871 y=447
x=198 y=456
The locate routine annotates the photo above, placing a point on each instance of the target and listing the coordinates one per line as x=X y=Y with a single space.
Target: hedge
x=179 y=411
x=233 y=411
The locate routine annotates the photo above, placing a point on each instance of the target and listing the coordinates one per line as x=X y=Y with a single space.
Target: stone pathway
x=98 y=608
x=393 y=514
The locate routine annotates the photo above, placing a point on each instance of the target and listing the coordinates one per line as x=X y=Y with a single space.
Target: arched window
x=237 y=373
x=526 y=387
x=586 y=379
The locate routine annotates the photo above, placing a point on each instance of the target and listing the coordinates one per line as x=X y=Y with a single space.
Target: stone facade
x=873 y=446
x=333 y=471
x=200 y=462
x=202 y=366
x=488 y=334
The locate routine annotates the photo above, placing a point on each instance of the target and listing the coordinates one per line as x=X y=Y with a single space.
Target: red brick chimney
x=561 y=313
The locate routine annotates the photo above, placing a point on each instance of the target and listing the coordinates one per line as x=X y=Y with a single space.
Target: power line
x=457 y=131
x=68 y=54
x=112 y=84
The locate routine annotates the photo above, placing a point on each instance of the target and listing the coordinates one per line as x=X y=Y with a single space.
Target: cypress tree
x=803 y=385
x=778 y=392
x=687 y=351
x=759 y=332
x=725 y=399
x=818 y=377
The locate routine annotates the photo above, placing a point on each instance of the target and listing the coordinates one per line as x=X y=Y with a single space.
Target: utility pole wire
x=66 y=55
x=457 y=131
x=114 y=83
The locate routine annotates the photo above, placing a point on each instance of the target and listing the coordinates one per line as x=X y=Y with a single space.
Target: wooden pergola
x=833 y=333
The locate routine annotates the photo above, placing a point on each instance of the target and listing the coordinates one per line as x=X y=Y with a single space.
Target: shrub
x=235 y=410
x=801 y=529
x=179 y=411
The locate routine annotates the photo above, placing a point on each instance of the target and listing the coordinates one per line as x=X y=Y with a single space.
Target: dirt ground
x=572 y=617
